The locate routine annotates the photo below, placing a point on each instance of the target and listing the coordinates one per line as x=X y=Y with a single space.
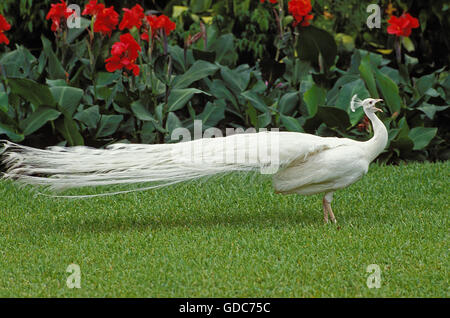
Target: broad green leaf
x=108 y=125
x=172 y=122
x=213 y=113
x=430 y=110
x=288 y=103
x=366 y=72
x=256 y=101
x=107 y=78
x=314 y=97
x=291 y=123
x=179 y=97
x=57 y=82
x=4 y=104
x=11 y=133
x=38 y=119
x=389 y=90
x=219 y=90
x=425 y=83
x=31 y=91
x=18 y=63
x=333 y=117
x=402 y=142
x=224 y=48
x=421 y=136
x=68 y=98
x=264 y=119
x=317 y=45
x=236 y=79
x=69 y=129
x=199 y=70
x=408 y=44
x=141 y=111
x=89 y=116
x=73 y=33
x=55 y=68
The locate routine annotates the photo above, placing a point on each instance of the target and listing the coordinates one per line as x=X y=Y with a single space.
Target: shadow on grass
x=207 y=220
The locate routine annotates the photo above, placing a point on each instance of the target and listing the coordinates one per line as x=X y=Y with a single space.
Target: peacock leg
x=325 y=211
x=327 y=204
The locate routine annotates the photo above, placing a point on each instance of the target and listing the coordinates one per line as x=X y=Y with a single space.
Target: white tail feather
x=60 y=168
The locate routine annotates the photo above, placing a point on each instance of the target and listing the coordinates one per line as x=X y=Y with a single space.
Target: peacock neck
x=378 y=142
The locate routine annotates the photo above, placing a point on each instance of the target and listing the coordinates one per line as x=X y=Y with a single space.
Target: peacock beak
x=378 y=109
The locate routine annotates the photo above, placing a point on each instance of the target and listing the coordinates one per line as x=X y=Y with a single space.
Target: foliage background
x=236 y=80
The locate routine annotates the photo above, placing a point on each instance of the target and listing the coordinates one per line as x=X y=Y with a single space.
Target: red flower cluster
x=132 y=18
x=158 y=23
x=4 y=26
x=106 y=19
x=59 y=13
x=124 y=55
x=401 y=26
x=271 y=1
x=300 y=10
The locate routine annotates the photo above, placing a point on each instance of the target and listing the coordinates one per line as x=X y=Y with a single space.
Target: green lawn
x=233 y=237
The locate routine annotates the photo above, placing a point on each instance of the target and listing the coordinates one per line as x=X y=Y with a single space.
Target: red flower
x=271 y=1
x=105 y=19
x=158 y=23
x=124 y=55
x=57 y=13
x=401 y=26
x=93 y=8
x=4 y=26
x=300 y=10
x=132 y=18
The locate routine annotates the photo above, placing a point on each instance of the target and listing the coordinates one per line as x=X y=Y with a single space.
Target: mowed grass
x=232 y=237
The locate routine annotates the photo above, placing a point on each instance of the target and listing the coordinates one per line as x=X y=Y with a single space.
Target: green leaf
x=219 y=90
x=408 y=44
x=31 y=91
x=288 y=103
x=291 y=123
x=317 y=45
x=55 y=68
x=366 y=72
x=108 y=125
x=333 y=117
x=424 y=83
x=73 y=33
x=68 y=98
x=141 y=111
x=107 y=78
x=213 y=113
x=17 y=63
x=11 y=133
x=402 y=142
x=389 y=90
x=179 y=97
x=314 y=97
x=421 y=136
x=199 y=70
x=4 y=104
x=69 y=129
x=89 y=116
x=430 y=110
x=172 y=122
x=264 y=119
x=224 y=48
x=256 y=101
x=38 y=119
x=236 y=79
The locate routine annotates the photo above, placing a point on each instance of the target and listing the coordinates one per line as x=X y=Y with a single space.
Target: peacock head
x=369 y=104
